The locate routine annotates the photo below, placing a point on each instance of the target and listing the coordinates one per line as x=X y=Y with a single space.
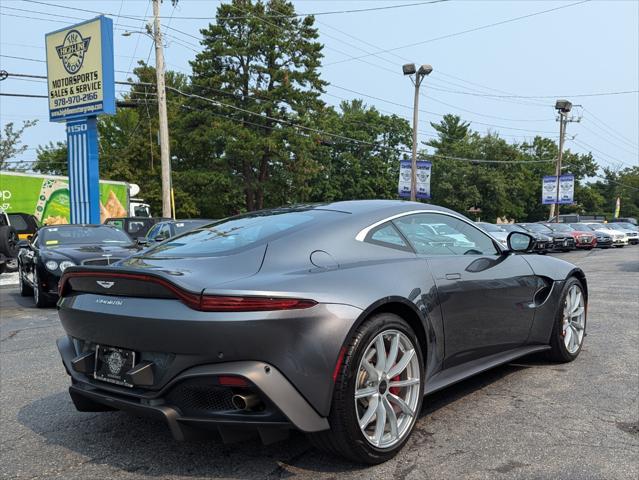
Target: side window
x=153 y=232
x=165 y=231
x=135 y=226
x=386 y=235
x=437 y=234
x=117 y=223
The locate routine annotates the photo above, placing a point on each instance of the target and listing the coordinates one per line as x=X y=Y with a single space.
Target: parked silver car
x=495 y=231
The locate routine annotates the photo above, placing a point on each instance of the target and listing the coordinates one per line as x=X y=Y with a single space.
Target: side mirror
x=160 y=238
x=23 y=244
x=520 y=242
x=143 y=242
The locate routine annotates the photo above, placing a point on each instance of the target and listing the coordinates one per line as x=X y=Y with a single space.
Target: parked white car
x=627 y=228
x=619 y=238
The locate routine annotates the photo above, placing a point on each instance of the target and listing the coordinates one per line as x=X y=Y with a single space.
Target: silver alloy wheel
x=574 y=321
x=388 y=389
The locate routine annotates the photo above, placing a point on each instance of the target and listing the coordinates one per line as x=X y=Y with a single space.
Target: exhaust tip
x=245 y=402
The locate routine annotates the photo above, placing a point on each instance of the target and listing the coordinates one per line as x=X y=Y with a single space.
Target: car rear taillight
x=196 y=301
x=217 y=303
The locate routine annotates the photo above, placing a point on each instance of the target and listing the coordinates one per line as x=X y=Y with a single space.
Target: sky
x=575 y=50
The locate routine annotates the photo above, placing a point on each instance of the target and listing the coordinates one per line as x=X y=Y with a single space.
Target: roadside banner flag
x=617 y=207
x=424 y=169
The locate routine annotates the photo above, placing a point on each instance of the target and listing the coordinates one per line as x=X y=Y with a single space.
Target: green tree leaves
x=11 y=144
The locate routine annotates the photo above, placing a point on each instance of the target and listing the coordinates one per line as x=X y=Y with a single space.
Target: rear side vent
x=543 y=292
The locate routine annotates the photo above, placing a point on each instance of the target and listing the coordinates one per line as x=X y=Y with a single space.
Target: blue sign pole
x=84 y=174
x=80 y=79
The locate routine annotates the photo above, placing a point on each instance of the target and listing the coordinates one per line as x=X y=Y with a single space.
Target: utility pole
x=165 y=154
x=410 y=70
x=563 y=108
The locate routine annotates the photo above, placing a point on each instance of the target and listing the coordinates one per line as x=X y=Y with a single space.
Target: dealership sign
x=80 y=75
x=423 y=178
x=549 y=193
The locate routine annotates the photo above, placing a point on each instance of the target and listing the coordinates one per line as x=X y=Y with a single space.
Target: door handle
x=453 y=276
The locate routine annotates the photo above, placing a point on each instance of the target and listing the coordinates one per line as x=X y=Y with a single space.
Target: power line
x=463 y=32
x=357 y=93
x=259 y=17
x=333 y=12
x=305 y=128
x=611 y=142
x=25 y=95
x=609 y=158
x=595 y=94
x=616 y=183
x=613 y=133
x=185 y=45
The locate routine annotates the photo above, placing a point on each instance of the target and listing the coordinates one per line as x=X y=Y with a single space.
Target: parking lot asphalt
x=530 y=419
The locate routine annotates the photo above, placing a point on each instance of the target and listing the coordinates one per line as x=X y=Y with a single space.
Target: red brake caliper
x=394 y=390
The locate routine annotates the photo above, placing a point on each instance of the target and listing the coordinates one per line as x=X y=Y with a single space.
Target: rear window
x=18 y=223
x=237 y=233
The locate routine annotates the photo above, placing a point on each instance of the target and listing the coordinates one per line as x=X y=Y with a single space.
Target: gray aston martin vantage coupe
x=335 y=319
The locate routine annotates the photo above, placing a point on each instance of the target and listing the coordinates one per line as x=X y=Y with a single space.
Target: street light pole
x=410 y=70
x=165 y=155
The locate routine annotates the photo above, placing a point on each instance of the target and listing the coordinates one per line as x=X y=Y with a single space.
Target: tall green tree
x=260 y=66
x=366 y=166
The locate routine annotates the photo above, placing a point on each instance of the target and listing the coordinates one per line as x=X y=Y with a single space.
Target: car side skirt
x=448 y=377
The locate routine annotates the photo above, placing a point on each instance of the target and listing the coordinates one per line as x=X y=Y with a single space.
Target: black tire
x=25 y=290
x=41 y=299
x=9 y=241
x=558 y=351
x=345 y=437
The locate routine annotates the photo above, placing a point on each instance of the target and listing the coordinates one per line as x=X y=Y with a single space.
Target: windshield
x=72 y=235
x=536 y=227
x=627 y=226
x=582 y=227
x=616 y=226
x=141 y=210
x=598 y=226
x=186 y=225
x=489 y=227
x=560 y=227
x=236 y=233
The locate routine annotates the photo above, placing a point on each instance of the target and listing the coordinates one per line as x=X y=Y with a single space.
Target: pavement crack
x=12 y=334
x=280 y=470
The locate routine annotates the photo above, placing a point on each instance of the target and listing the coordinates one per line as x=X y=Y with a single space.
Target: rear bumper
x=284 y=407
